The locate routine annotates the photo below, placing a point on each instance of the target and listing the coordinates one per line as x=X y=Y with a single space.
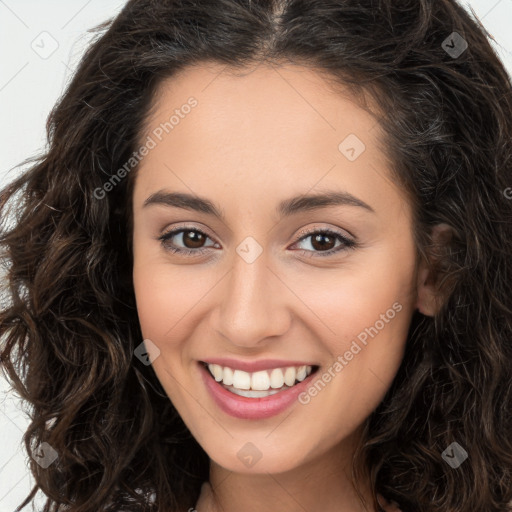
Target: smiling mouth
x=259 y=384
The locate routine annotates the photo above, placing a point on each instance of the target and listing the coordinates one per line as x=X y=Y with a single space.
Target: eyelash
x=347 y=243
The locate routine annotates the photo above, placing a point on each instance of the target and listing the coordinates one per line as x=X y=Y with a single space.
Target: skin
x=251 y=142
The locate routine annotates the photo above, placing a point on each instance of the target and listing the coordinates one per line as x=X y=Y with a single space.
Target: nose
x=254 y=304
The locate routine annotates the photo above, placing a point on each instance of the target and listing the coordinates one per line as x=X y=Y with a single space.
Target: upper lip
x=254 y=366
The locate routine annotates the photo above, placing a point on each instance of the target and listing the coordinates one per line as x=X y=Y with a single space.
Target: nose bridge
x=253 y=303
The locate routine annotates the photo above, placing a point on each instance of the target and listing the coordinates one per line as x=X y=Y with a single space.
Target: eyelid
x=316 y=229
x=301 y=234
x=349 y=242
x=187 y=226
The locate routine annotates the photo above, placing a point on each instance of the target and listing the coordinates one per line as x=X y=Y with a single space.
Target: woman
x=265 y=264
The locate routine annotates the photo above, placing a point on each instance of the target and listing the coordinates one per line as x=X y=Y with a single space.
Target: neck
x=322 y=483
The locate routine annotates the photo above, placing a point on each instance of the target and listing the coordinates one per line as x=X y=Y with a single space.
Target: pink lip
x=252 y=408
x=255 y=366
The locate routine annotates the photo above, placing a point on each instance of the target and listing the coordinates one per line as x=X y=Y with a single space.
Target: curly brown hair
x=70 y=326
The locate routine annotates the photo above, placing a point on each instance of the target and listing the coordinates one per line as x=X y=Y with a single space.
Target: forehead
x=284 y=126
x=263 y=96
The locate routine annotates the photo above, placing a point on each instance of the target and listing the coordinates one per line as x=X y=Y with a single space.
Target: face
x=288 y=247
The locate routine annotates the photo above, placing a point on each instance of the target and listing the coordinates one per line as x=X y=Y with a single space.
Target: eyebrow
x=286 y=208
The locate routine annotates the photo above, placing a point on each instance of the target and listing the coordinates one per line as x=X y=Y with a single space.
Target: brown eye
x=186 y=241
x=193 y=239
x=323 y=242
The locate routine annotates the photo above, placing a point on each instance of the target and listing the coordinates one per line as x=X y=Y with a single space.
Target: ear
x=429 y=296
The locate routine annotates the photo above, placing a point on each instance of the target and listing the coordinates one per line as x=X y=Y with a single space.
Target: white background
x=30 y=84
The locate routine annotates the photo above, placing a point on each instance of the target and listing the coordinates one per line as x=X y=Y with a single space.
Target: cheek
x=356 y=296
x=163 y=296
x=365 y=314
x=366 y=353
x=171 y=304
x=159 y=308
x=153 y=302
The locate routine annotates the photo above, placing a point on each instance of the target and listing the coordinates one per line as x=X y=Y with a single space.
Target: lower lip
x=251 y=408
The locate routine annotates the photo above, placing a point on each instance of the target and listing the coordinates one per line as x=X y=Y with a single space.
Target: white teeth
x=301 y=373
x=241 y=380
x=276 y=378
x=289 y=376
x=217 y=372
x=253 y=394
x=228 y=376
x=264 y=381
x=260 y=381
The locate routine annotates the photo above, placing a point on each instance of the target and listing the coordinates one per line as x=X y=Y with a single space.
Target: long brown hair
x=69 y=327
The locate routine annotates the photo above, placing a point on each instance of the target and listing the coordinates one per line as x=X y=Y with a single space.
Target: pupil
x=196 y=238
x=318 y=238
